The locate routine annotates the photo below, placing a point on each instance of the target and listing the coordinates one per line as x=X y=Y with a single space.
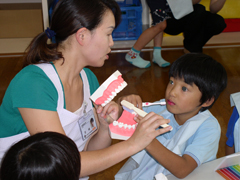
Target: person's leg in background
x=213 y=25
x=190 y=25
x=157 y=55
x=203 y=25
x=194 y=29
x=133 y=56
x=159 y=12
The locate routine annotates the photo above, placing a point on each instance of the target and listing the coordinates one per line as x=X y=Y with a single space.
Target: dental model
x=124 y=127
x=109 y=89
x=131 y=108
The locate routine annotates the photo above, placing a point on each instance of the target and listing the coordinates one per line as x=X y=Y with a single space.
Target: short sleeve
x=31 y=88
x=203 y=146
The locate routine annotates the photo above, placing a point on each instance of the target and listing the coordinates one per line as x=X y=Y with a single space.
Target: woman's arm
x=37 y=120
x=95 y=161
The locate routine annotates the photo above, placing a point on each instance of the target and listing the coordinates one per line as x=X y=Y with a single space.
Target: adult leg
x=188 y=25
x=194 y=29
x=213 y=25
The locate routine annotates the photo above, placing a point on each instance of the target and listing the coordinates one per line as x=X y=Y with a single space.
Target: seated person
x=199 y=26
x=196 y=81
x=48 y=156
x=232 y=144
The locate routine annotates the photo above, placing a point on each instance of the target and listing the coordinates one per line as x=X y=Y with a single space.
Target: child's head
x=207 y=74
x=48 y=156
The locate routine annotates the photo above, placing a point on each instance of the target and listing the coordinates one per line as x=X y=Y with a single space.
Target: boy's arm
x=177 y=165
x=229 y=150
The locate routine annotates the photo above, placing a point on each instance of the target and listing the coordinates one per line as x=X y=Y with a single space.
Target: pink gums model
x=109 y=89
x=124 y=127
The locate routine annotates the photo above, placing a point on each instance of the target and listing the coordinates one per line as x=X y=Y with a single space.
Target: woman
x=49 y=94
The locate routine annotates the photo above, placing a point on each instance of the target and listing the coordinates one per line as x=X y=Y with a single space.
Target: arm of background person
x=195 y=1
x=216 y=5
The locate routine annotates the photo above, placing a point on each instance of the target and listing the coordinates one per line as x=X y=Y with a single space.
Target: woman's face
x=100 y=42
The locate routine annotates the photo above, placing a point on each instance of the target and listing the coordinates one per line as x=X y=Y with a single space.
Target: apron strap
x=53 y=76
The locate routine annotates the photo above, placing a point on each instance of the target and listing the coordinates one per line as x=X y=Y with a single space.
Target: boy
x=196 y=80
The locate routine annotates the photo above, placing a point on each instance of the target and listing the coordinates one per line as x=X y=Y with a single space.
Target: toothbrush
x=132 y=109
x=154 y=103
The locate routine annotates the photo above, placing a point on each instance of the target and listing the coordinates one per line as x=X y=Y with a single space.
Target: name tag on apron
x=87 y=124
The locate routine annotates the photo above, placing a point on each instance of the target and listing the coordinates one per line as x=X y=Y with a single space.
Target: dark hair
x=202 y=70
x=67 y=18
x=48 y=156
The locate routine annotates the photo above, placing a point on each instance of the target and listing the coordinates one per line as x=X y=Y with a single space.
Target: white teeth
x=115 y=123
x=117 y=91
x=123 y=85
x=119 y=88
x=125 y=126
x=120 y=125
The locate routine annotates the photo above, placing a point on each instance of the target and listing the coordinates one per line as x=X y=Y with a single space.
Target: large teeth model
x=124 y=127
x=109 y=89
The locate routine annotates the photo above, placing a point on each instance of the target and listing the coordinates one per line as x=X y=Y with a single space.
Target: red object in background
x=233 y=25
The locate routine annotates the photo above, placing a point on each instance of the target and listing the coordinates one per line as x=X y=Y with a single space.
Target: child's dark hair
x=67 y=18
x=202 y=70
x=48 y=156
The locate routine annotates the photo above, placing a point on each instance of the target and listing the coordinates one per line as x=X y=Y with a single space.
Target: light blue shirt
x=202 y=146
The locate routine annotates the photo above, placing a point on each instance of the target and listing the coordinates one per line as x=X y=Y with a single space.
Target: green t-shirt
x=30 y=88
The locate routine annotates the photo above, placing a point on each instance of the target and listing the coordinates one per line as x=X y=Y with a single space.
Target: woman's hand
x=134 y=99
x=147 y=129
x=109 y=113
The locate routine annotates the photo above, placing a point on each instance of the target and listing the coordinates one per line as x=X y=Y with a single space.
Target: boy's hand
x=109 y=113
x=134 y=99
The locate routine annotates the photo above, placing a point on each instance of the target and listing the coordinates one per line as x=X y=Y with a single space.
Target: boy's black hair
x=202 y=70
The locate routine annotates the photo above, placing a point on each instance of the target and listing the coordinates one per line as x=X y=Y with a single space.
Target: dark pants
x=197 y=27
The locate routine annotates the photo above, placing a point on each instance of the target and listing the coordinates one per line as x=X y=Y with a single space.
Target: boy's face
x=182 y=99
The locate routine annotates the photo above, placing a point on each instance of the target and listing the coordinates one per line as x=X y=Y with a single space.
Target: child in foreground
x=48 y=156
x=196 y=81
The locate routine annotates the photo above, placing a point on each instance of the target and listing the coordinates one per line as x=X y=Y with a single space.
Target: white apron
x=145 y=167
x=68 y=119
x=235 y=101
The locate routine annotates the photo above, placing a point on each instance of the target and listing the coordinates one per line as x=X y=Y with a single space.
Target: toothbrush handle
x=143 y=113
